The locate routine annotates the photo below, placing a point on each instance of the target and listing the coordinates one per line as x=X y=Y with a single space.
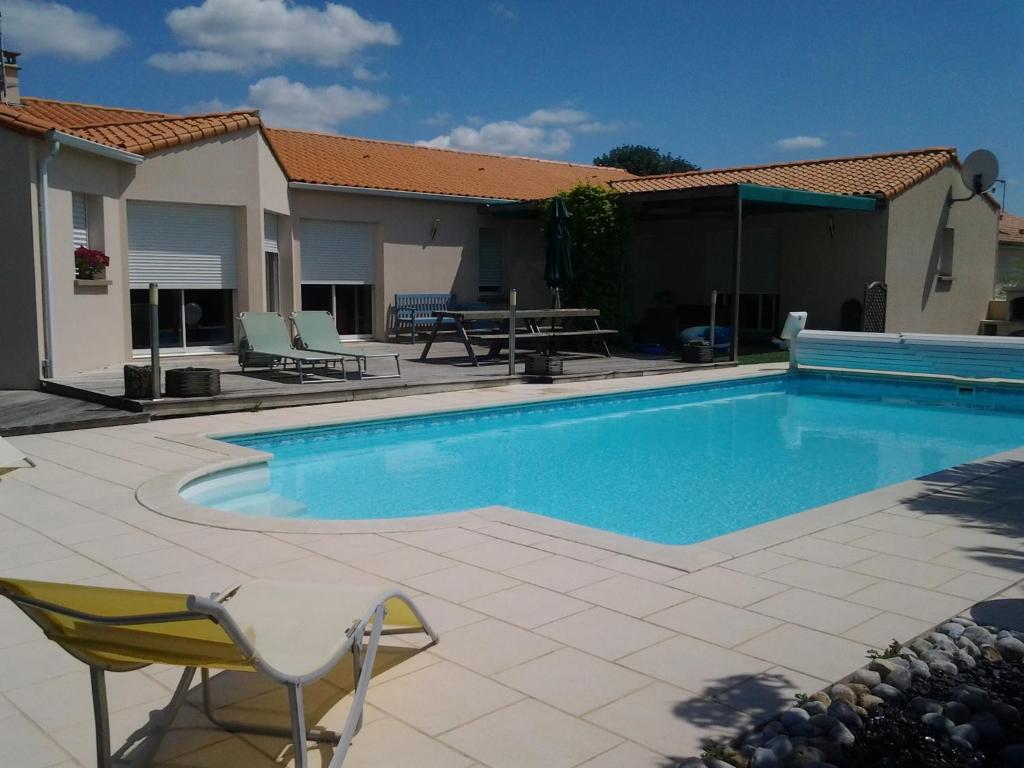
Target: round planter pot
x=193 y=382
x=544 y=365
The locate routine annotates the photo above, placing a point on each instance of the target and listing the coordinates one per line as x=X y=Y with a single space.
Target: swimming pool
x=674 y=466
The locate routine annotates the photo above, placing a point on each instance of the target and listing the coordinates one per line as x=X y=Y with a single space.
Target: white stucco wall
x=88 y=321
x=235 y=170
x=407 y=260
x=918 y=300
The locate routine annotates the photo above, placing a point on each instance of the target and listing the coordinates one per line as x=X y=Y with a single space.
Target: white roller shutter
x=337 y=252
x=181 y=246
x=79 y=221
x=270 y=232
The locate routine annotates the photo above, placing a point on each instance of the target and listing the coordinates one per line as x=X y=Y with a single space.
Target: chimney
x=11 y=92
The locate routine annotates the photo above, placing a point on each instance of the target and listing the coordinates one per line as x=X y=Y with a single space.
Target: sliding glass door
x=351 y=306
x=190 y=319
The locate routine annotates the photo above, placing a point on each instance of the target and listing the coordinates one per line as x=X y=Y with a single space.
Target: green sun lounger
x=266 y=335
x=316 y=332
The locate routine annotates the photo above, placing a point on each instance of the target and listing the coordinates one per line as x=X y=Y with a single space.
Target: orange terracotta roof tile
x=16 y=119
x=887 y=174
x=143 y=137
x=69 y=114
x=133 y=131
x=1011 y=229
x=353 y=162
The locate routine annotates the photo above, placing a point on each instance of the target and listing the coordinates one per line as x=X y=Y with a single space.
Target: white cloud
x=542 y=132
x=502 y=11
x=505 y=137
x=438 y=119
x=199 y=61
x=362 y=73
x=800 y=142
x=285 y=104
x=242 y=35
x=563 y=116
x=46 y=27
x=205 y=107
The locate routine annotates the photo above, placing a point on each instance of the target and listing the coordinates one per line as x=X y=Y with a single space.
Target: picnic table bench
x=539 y=325
x=413 y=310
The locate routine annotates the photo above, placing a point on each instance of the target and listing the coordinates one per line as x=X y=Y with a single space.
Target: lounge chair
x=316 y=332
x=291 y=632
x=11 y=458
x=266 y=336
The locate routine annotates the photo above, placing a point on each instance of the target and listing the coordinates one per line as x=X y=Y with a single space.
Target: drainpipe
x=44 y=251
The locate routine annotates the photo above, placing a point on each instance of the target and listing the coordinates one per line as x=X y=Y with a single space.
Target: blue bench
x=416 y=310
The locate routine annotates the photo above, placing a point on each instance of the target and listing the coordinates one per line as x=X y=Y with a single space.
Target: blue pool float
x=723 y=336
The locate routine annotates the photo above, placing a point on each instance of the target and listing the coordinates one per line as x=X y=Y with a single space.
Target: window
x=946 y=257
x=351 y=305
x=489 y=256
x=188 y=318
x=271 y=266
x=79 y=220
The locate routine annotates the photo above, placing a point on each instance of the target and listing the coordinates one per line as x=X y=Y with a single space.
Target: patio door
x=338 y=270
x=190 y=251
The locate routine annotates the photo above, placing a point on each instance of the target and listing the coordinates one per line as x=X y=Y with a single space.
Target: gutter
x=43 y=188
x=304 y=185
x=93 y=147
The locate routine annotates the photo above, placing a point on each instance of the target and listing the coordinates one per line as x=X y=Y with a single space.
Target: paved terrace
x=445 y=370
x=553 y=653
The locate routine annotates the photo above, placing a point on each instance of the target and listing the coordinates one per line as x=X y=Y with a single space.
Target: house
x=1006 y=310
x=1010 y=264
x=882 y=219
x=227 y=215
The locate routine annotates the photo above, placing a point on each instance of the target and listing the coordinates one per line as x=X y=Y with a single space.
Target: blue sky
x=721 y=83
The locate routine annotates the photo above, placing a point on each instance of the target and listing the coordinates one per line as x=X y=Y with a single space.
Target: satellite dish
x=980 y=171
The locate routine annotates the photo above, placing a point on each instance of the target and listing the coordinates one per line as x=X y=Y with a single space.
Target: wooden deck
x=446 y=370
x=26 y=412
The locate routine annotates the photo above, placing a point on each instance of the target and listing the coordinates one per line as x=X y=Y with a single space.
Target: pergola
x=720 y=201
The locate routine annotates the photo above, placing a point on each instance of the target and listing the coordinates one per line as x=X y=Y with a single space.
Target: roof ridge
x=169 y=119
x=95 y=106
x=951 y=151
x=412 y=145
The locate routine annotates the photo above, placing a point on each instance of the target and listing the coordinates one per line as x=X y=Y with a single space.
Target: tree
x=644 y=161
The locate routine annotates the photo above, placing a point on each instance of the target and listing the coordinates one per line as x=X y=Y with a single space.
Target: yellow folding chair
x=294 y=633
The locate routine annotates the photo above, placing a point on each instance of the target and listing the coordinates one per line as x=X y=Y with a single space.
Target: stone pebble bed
x=951 y=698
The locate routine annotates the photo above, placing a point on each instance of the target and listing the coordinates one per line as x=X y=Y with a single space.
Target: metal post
x=154 y=339
x=100 y=715
x=711 y=328
x=734 y=351
x=512 y=332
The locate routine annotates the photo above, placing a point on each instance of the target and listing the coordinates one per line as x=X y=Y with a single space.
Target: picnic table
x=542 y=326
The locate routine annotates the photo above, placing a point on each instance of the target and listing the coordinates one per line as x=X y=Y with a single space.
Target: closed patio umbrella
x=558 y=269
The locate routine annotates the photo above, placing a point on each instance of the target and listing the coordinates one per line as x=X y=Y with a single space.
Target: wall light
x=434 y=229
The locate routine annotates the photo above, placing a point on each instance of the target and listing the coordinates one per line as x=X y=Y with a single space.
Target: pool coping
x=162 y=494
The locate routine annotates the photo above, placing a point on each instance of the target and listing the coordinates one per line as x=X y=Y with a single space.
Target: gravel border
x=880 y=701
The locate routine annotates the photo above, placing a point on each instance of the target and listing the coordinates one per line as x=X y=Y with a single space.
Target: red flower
x=89 y=262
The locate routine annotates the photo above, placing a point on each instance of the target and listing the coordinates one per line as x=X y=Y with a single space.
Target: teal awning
x=762 y=194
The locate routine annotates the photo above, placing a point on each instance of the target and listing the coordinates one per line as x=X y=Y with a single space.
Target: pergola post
x=734 y=351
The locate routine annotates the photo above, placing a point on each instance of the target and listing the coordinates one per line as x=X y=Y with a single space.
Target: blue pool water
x=674 y=466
